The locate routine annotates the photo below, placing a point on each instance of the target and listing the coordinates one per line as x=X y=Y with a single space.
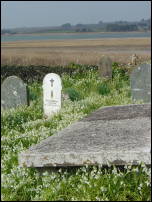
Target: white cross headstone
x=51 y=94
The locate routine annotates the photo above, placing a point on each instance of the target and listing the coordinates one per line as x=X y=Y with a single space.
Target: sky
x=55 y=13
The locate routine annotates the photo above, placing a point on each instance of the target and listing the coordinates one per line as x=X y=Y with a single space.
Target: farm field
x=80 y=51
x=26 y=125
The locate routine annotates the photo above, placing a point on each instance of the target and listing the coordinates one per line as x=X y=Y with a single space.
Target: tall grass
x=63 y=52
x=64 y=58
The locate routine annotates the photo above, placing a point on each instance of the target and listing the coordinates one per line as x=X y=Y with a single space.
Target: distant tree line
x=119 y=26
x=8 y=31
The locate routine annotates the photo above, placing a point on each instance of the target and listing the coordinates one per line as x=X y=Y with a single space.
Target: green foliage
x=73 y=94
x=31 y=73
x=120 y=72
x=96 y=184
x=24 y=126
x=104 y=88
x=35 y=91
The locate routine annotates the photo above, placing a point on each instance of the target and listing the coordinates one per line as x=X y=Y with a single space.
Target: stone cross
x=51 y=94
x=141 y=83
x=13 y=93
x=52 y=82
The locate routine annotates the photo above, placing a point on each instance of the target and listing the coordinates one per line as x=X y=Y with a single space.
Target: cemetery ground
x=25 y=126
x=80 y=51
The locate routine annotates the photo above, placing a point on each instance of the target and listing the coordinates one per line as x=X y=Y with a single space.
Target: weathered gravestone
x=134 y=59
x=51 y=94
x=13 y=93
x=105 y=67
x=118 y=135
x=141 y=83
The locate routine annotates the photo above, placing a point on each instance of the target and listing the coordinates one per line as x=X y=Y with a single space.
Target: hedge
x=36 y=73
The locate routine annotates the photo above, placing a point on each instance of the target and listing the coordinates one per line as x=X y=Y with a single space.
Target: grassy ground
x=80 y=51
x=25 y=126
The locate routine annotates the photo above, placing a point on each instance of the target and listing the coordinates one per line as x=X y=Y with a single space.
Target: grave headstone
x=141 y=83
x=13 y=93
x=105 y=67
x=51 y=94
x=134 y=59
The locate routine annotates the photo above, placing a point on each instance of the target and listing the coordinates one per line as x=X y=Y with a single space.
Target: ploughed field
x=26 y=125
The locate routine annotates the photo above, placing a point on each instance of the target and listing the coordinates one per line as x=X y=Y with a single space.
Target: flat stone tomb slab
x=118 y=135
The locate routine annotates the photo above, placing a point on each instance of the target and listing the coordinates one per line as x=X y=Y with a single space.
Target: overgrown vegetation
x=33 y=73
x=25 y=126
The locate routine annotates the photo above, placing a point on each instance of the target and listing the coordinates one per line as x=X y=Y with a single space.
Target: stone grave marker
x=51 y=94
x=141 y=83
x=13 y=93
x=105 y=67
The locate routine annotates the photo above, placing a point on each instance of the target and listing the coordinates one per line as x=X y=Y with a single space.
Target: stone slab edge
x=74 y=159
